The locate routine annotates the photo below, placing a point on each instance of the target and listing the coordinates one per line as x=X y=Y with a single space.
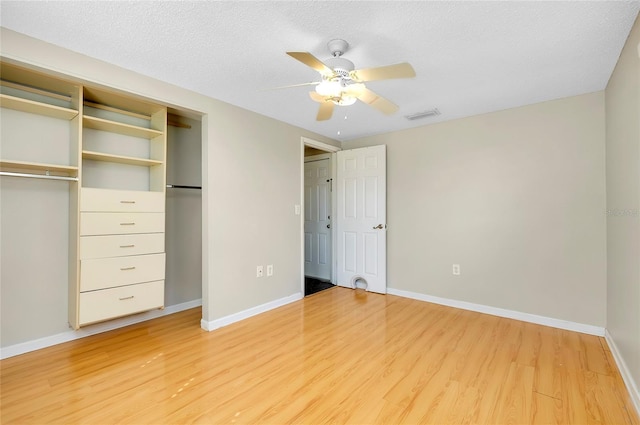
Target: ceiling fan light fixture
x=345 y=100
x=329 y=88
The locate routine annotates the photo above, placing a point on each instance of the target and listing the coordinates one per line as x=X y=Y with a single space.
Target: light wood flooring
x=339 y=356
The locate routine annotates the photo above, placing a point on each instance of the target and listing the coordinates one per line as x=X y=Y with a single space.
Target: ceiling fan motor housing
x=340 y=66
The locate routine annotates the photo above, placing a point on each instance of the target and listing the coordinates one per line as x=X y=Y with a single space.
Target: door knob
x=379 y=226
x=328 y=226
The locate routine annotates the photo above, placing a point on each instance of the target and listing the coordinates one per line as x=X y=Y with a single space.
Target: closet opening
x=183 y=285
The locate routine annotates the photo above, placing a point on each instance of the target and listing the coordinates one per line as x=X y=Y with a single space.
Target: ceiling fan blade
x=317 y=97
x=315 y=83
x=400 y=70
x=325 y=111
x=353 y=90
x=313 y=62
x=380 y=103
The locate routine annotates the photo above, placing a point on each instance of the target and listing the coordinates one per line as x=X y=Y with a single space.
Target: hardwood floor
x=338 y=356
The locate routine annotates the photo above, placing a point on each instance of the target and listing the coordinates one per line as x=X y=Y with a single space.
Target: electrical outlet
x=259 y=271
x=270 y=270
x=456 y=269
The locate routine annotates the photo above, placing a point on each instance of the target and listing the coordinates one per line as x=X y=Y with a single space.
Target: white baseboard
x=245 y=314
x=632 y=387
x=500 y=312
x=48 y=341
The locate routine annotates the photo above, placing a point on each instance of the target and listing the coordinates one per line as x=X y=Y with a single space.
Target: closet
x=86 y=212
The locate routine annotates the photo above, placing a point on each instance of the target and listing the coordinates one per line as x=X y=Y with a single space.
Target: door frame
x=305 y=141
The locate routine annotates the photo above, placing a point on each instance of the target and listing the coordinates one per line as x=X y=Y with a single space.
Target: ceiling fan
x=342 y=84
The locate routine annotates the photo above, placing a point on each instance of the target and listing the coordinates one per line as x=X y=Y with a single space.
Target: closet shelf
x=9 y=165
x=129 y=160
x=120 y=128
x=26 y=105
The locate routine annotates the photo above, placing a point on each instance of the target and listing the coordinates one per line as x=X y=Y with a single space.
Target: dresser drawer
x=120 y=223
x=107 y=200
x=106 y=304
x=102 y=273
x=121 y=245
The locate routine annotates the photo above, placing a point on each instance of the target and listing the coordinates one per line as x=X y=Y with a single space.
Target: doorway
x=317 y=217
x=318 y=200
x=358 y=191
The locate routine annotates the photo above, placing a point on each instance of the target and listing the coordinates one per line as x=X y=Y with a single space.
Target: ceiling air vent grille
x=425 y=114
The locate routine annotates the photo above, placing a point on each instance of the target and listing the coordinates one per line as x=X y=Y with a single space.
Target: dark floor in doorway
x=312 y=285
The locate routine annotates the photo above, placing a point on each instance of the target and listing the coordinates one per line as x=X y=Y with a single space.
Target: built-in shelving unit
x=111 y=147
x=121 y=252
x=124 y=131
x=39 y=95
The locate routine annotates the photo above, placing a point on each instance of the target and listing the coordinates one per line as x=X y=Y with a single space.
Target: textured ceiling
x=470 y=57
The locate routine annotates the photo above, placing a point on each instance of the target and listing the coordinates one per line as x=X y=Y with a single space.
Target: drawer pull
x=127 y=202
x=127 y=246
x=128 y=224
x=127 y=268
x=126 y=298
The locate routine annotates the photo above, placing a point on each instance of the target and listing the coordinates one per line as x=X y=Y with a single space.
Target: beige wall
x=251 y=177
x=623 y=204
x=257 y=186
x=516 y=197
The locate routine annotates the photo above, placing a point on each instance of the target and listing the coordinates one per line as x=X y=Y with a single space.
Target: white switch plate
x=270 y=270
x=259 y=271
x=297 y=209
x=456 y=269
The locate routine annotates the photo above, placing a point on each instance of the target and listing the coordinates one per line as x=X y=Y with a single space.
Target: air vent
x=425 y=114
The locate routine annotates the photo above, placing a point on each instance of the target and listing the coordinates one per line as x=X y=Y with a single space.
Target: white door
x=317 y=219
x=361 y=218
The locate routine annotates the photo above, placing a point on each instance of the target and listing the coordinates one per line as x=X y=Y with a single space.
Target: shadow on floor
x=312 y=285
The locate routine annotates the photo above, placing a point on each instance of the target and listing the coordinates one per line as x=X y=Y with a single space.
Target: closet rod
x=37 y=176
x=180 y=186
